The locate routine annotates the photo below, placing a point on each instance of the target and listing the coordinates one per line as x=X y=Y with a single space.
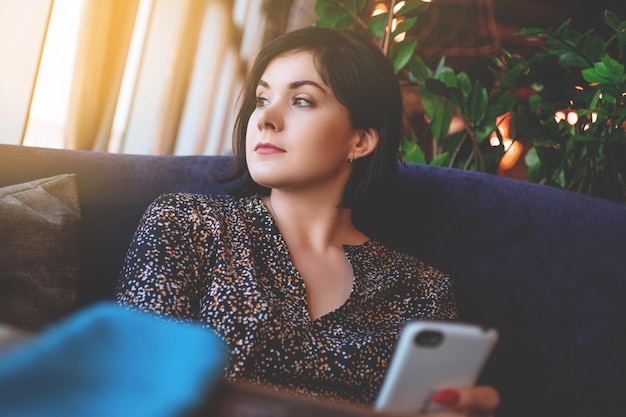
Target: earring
x=351 y=160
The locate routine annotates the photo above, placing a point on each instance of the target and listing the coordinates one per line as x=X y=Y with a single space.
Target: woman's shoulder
x=198 y=208
x=414 y=288
x=202 y=202
x=395 y=259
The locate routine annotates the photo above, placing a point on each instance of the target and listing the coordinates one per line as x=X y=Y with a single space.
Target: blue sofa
x=546 y=267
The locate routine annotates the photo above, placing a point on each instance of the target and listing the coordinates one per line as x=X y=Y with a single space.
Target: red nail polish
x=446 y=397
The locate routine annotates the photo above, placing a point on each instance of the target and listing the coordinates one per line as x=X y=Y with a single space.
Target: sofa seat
x=546 y=267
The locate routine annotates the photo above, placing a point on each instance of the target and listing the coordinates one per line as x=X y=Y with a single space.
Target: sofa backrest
x=546 y=267
x=114 y=190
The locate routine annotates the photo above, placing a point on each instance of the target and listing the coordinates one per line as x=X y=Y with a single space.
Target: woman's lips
x=267 y=148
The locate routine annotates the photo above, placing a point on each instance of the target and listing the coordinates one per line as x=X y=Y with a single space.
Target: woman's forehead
x=292 y=67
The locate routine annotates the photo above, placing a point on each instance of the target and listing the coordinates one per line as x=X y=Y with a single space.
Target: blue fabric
x=109 y=361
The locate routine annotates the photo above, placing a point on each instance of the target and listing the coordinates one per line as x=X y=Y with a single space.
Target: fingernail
x=446 y=397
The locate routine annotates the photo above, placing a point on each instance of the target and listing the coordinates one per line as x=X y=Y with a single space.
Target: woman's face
x=299 y=136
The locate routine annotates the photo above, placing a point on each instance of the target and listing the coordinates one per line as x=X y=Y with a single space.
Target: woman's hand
x=480 y=401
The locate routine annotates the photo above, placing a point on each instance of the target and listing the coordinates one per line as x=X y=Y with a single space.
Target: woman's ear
x=366 y=144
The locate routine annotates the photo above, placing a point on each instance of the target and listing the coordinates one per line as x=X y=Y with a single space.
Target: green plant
x=581 y=75
x=444 y=93
x=574 y=73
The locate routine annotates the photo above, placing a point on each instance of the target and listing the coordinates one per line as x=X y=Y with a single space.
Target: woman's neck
x=314 y=221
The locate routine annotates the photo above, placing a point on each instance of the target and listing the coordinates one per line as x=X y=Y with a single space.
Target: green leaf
x=340 y=21
x=327 y=9
x=593 y=47
x=452 y=143
x=572 y=59
x=485 y=131
x=499 y=105
x=401 y=53
x=531 y=33
x=412 y=8
x=332 y=15
x=476 y=103
x=464 y=82
x=430 y=102
x=325 y=23
x=376 y=25
x=437 y=111
x=534 y=165
x=559 y=178
x=613 y=66
x=345 y=22
x=447 y=76
x=591 y=75
x=440 y=66
x=534 y=102
x=412 y=152
x=440 y=160
x=404 y=26
x=611 y=92
x=563 y=30
x=611 y=19
x=621 y=39
x=419 y=70
x=607 y=71
x=621 y=114
x=440 y=124
x=455 y=97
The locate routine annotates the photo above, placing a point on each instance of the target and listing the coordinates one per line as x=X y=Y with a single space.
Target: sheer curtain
x=195 y=57
x=177 y=88
x=104 y=40
x=23 y=28
x=151 y=76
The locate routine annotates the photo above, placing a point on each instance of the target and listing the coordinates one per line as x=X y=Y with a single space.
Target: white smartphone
x=433 y=355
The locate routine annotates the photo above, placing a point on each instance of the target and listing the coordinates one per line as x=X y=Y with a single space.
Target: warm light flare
x=512 y=148
x=394 y=24
x=512 y=151
x=572 y=118
x=560 y=115
x=379 y=9
x=398 y=6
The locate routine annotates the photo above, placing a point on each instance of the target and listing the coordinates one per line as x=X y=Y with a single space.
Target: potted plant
x=575 y=116
x=444 y=94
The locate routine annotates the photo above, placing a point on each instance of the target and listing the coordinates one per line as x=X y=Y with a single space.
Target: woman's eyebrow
x=296 y=84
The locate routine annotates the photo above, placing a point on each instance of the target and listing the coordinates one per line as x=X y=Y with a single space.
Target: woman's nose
x=269 y=118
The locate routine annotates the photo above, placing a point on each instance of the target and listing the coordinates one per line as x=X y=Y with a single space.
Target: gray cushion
x=39 y=224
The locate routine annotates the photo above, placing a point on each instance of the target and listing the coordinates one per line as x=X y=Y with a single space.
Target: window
x=137 y=76
x=48 y=111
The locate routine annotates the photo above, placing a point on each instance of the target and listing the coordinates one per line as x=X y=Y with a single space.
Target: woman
x=302 y=299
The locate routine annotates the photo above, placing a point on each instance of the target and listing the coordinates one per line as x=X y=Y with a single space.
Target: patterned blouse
x=223 y=262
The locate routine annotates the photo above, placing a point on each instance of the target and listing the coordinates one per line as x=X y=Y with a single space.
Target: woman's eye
x=261 y=101
x=302 y=102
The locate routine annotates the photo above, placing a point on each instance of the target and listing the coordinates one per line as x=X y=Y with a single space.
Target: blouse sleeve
x=166 y=263
x=439 y=302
